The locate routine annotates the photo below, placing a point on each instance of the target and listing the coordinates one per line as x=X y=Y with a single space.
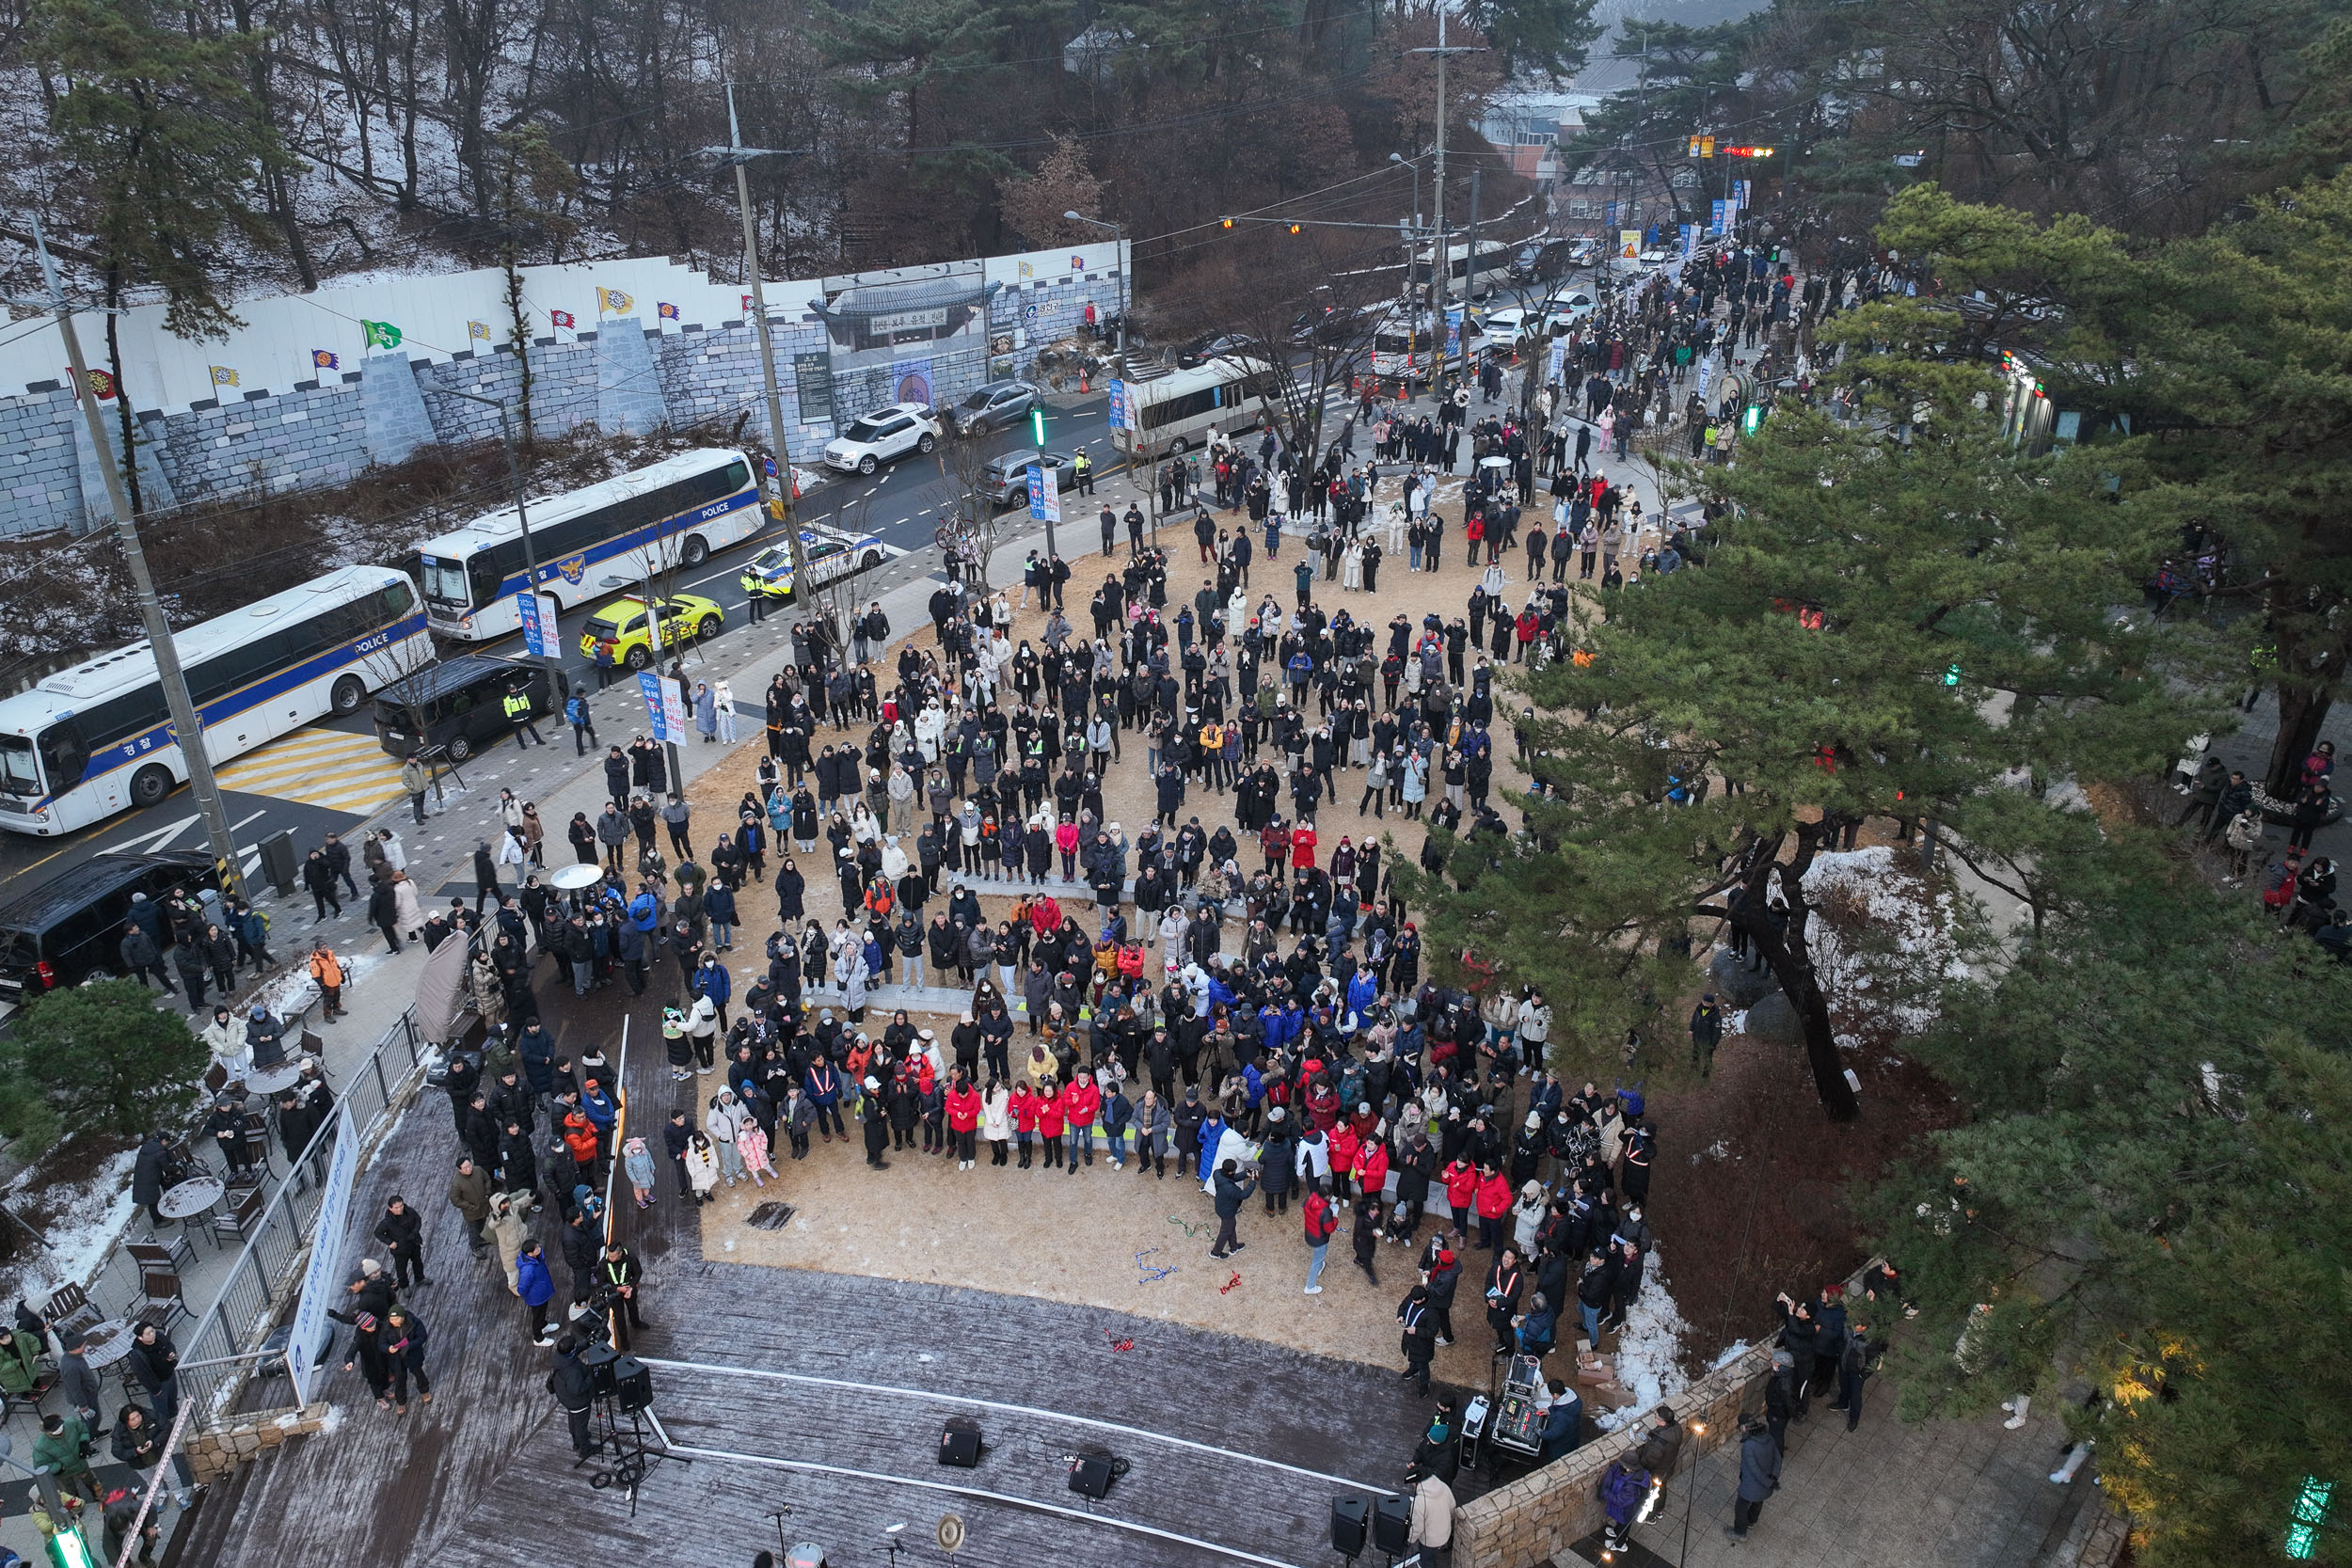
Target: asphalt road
x=902 y=505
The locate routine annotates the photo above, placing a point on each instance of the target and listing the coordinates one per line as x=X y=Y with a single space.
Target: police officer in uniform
x=517 y=708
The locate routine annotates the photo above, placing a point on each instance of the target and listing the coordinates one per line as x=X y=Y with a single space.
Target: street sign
x=538 y=635
x=1044 y=495
x=665 y=711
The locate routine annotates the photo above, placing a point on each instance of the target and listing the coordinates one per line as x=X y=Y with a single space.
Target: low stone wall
x=214 y=1455
x=1543 y=1512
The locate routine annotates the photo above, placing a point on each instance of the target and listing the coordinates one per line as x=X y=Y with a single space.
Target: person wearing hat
x=1759 y=1475
x=1706 y=1032
x=1779 y=1395
x=266 y=1037
x=875 y=1115
x=227 y=1126
x=61 y=1455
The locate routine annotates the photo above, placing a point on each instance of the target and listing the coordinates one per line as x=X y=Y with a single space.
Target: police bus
x=90 y=741
x=1178 y=410
x=674 y=513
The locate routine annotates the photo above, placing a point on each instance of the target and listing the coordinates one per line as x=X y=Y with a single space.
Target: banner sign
x=322 y=1286
x=1044 y=495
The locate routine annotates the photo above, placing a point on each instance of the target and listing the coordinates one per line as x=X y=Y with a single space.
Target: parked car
x=458 y=704
x=68 y=929
x=1008 y=475
x=619 y=632
x=1543 y=260
x=1210 y=346
x=833 y=553
x=883 y=435
x=995 y=407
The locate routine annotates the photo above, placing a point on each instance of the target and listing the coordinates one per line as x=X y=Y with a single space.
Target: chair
x=161 y=1297
x=161 y=1254
x=243 y=1218
x=257 y=1142
x=70 y=1308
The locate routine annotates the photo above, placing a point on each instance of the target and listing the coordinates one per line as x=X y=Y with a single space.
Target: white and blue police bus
x=90 y=741
x=675 y=513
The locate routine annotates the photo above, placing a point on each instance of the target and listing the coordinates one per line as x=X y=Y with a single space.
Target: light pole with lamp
x=1412 y=307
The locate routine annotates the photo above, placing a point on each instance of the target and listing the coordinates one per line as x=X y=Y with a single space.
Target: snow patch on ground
x=85 y=1219
x=1648 y=1349
x=1883 y=938
x=1731 y=1352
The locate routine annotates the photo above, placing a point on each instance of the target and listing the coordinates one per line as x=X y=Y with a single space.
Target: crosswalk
x=324 y=767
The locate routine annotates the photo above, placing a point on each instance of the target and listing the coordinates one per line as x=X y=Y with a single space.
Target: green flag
x=381 y=334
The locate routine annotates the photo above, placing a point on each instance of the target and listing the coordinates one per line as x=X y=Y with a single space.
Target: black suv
x=68 y=929
x=458 y=704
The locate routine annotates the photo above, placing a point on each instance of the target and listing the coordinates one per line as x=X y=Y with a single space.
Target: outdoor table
x=275 y=1080
x=192 y=1197
x=104 y=1344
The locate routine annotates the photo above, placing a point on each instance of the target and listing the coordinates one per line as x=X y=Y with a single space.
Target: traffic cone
x=1082 y=383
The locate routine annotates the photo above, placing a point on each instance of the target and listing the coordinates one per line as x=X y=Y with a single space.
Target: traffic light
x=1746 y=152
x=1751 y=418
x=1293 y=229
x=1951 y=675
x=1037 y=425
x=1229 y=222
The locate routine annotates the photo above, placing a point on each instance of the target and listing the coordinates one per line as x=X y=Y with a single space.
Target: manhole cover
x=771 y=1216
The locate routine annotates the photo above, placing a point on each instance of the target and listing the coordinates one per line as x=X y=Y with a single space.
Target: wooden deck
x=485 y=1474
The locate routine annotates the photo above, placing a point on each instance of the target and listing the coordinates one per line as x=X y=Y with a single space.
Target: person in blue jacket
x=1362 y=992
x=536 y=1047
x=536 y=1289
x=712 y=980
x=719 y=909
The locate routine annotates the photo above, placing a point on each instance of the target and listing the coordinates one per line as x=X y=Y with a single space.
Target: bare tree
x=1310 y=315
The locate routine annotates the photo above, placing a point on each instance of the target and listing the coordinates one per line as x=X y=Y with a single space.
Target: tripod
x=630 y=1458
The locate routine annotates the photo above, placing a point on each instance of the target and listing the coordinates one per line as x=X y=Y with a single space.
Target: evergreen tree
x=159 y=122
x=105 y=1058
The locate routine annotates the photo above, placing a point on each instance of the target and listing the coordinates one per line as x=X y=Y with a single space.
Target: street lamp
x=1413 y=163
x=1127 y=285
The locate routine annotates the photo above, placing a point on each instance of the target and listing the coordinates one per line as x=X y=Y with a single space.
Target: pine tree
x=106 y=1058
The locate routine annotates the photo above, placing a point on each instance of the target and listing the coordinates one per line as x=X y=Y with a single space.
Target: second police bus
x=676 y=512
x=94 y=739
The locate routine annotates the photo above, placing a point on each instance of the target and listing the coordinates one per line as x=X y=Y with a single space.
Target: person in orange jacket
x=1494 y=1203
x=963 y=1120
x=587 y=1148
x=1080 y=1105
x=1461 y=1187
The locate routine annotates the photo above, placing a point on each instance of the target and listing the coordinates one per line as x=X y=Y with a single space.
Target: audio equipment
x=1348 y=1515
x=1392 y=1526
x=959 y=1443
x=598 y=1360
x=1091 y=1474
x=632 y=1383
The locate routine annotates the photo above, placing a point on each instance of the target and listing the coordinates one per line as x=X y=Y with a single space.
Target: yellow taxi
x=622 y=633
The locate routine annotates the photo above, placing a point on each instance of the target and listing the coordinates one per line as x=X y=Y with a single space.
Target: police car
x=832 y=554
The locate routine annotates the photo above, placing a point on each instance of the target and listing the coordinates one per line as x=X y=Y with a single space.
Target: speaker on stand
x=624 y=1388
x=1349 y=1518
x=1392 y=1526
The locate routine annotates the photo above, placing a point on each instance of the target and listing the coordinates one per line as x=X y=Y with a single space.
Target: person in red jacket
x=1049 y=1113
x=1275 y=839
x=1024 y=1108
x=1302 y=847
x=1079 y=1103
x=1372 y=1170
x=1344 y=1145
x=1323 y=1104
x=1322 y=1219
x=1494 y=1202
x=963 y=1120
x=1461 y=1188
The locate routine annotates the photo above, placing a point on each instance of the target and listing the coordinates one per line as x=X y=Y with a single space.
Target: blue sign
x=1121 y=412
x=1715 y=217
x=538 y=636
x=320 y=1292
x=650 y=685
x=1044 y=495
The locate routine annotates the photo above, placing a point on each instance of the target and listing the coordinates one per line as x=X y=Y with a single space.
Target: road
x=334 y=776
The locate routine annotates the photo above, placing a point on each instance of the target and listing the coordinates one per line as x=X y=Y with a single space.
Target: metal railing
x=219 y=1353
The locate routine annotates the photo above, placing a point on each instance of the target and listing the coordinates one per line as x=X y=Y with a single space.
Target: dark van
x=68 y=929
x=458 y=704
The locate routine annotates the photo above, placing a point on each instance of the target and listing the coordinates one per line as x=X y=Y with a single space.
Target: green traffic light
x=1753 y=418
x=1951 y=676
x=1037 y=425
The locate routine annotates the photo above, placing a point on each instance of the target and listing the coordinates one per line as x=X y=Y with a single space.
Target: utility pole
x=187 y=723
x=1470 y=267
x=553 y=661
x=738 y=154
x=1441 y=268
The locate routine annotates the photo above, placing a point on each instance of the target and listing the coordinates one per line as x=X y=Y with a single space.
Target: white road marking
x=152 y=844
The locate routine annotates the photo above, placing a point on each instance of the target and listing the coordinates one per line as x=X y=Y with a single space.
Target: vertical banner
x=320 y=1281
x=666 y=711
x=1715 y=216
x=1689 y=241
x=538 y=636
x=1044 y=495
x=1559 y=359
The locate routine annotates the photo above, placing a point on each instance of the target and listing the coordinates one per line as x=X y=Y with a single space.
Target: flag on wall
x=322 y=360
x=747 y=305
x=1077 y=264
x=612 y=300
x=665 y=311
x=379 y=334
x=1027 y=270
x=223 y=376
x=478 y=329
x=561 y=318
x=100 y=383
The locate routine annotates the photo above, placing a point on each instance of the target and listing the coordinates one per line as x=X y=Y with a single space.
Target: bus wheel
x=1179 y=445
x=151 y=785
x=348 y=692
x=695 y=552
x=460 y=749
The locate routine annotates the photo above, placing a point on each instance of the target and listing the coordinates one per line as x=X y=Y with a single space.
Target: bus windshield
x=445 y=581
x=19 y=772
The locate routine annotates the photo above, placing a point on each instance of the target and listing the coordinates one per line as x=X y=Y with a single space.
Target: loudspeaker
x=959 y=1443
x=633 y=1382
x=599 y=1359
x=1348 y=1515
x=1091 y=1474
x=1392 y=1526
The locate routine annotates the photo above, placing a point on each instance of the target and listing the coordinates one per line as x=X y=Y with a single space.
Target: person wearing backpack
x=1623 y=1488
x=582 y=721
x=1322 y=1219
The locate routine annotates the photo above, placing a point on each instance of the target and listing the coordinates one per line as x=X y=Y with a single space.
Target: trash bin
x=279 y=863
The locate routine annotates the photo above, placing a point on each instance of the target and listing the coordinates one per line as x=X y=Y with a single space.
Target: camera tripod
x=629 y=1457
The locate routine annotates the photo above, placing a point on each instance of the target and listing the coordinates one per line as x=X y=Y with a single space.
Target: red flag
x=561 y=318
x=101 y=382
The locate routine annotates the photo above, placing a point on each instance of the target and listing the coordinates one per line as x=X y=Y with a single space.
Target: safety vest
x=518 y=706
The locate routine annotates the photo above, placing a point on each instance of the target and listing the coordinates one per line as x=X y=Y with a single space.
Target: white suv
x=891 y=431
